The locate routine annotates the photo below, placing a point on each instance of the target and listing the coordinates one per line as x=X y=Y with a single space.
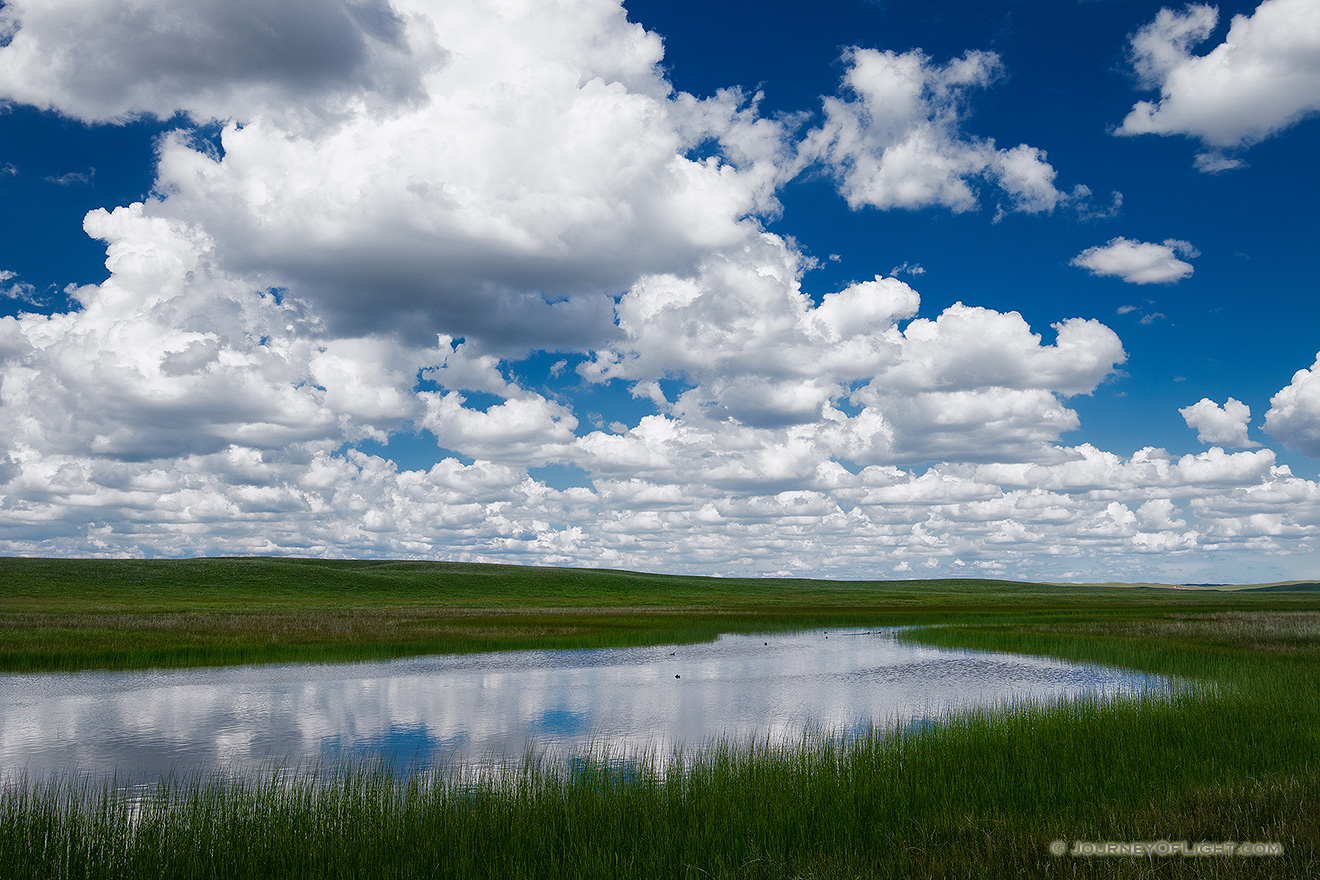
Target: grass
x=133 y=614
x=1235 y=758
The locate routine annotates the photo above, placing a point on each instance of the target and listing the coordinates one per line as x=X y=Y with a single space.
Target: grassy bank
x=124 y=614
x=1235 y=759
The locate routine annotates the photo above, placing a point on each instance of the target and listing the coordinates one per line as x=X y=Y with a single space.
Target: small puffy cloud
x=1216 y=163
x=1263 y=78
x=1139 y=262
x=18 y=290
x=1225 y=425
x=897 y=141
x=73 y=178
x=1294 y=413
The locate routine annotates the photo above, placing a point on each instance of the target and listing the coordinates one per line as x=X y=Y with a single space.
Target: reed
x=975 y=796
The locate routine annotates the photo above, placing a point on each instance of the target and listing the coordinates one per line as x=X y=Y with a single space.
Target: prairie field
x=1232 y=756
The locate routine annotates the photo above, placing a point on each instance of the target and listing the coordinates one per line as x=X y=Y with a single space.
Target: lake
x=463 y=709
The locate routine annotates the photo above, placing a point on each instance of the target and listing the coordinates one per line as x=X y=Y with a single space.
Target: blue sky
x=859 y=289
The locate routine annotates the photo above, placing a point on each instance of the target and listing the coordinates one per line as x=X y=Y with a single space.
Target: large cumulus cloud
x=543 y=172
x=1294 y=413
x=757 y=352
x=532 y=167
x=1263 y=78
x=165 y=358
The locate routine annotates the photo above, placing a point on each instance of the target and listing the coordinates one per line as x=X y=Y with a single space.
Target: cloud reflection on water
x=463 y=709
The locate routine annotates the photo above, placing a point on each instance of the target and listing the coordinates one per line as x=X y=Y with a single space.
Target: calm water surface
x=463 y=709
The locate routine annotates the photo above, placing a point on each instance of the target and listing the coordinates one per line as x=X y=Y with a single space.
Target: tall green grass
x=978 y=795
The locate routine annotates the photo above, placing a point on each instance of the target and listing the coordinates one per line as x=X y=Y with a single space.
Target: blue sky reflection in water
x=467 y=708
x=1017 y=287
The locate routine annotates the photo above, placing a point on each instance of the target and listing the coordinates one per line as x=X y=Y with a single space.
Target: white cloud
x=1159 y=514
x=1263 y=78
x=1091 y=513
x=1139 y=262
x=1216 y=163
x=1087 y=469
x=73 y=178
x=756 y=351
x=898 y=143
x=562 y=189
x=215 y=411
x=1225 y=424
x=492 y=171
x=171 y=356
x=970 y=347
x=908 y=269
x=1294 y=414
x=20 y=291
x=381 y=240
x=527 y=429
x=993 y=423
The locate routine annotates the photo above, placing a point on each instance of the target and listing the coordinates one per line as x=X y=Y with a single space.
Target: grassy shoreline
x=125 y=614
x=981 y=795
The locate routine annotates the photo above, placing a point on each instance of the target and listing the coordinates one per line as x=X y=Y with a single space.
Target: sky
x=860 y=289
